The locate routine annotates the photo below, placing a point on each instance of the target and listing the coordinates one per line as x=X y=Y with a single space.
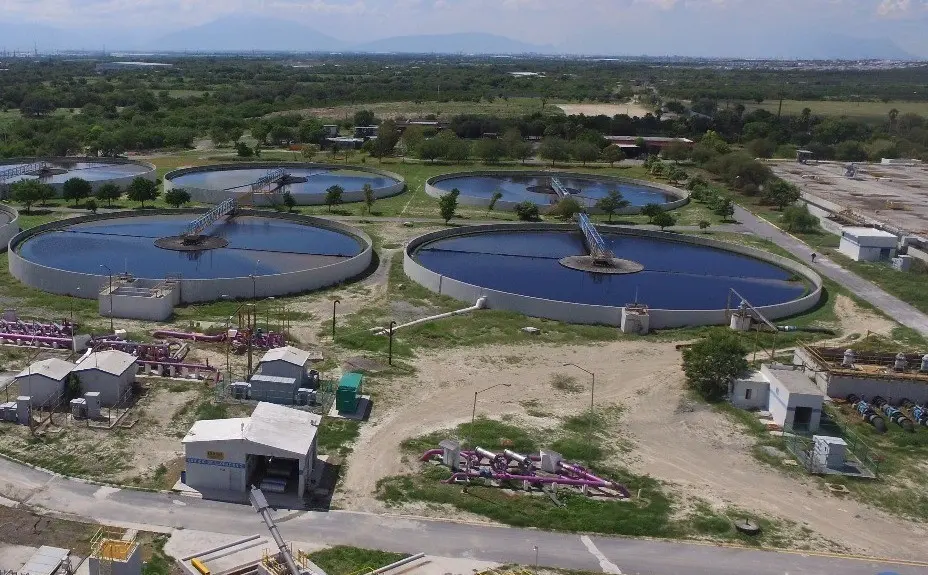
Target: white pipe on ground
x=399 y=563
x=480 y=304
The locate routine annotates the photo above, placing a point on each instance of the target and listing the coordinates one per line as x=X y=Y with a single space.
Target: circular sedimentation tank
x=56 y=171
x=253 y=254
x=477 y=189
x=683 y=280
x=307 y=182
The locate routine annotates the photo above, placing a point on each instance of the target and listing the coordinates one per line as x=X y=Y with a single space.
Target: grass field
x=442 y=110
x=866 y=111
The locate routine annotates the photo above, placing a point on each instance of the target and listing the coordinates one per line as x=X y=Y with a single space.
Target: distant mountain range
x=254 y=33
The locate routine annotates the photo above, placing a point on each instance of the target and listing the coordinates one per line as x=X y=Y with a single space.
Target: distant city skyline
x=750 y=28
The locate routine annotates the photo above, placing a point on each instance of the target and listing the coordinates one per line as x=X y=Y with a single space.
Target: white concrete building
x=868 y=244
x=788 y=393
x=286 y=362
x=276 y=444
x=44 y=381
x=111 y=373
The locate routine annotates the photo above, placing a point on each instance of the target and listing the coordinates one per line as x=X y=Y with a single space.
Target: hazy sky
x=577 y=24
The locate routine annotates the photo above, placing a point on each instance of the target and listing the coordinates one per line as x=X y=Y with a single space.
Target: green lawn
x=866 y=111
x=511 y=107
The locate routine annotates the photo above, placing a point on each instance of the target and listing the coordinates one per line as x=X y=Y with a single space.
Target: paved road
x=888 y=304
x=164 y=512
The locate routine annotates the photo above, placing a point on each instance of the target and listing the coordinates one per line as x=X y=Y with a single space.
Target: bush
x=527 y=211
x=798 y=219
x=566 y=208
x=712 y=361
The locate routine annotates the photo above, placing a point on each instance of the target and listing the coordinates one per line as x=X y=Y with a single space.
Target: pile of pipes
x=32 y=333
x=919 y=412
x=895 y=415
x=172 y=351
x=873 y=412
x=867 y=412
x=545 y=470
x=262 y=340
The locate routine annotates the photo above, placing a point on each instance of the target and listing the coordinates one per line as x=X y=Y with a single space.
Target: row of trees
x=31 y=192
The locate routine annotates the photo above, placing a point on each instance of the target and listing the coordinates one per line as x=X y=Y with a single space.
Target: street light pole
x=473 y=418
x=390 y=349
x=592 y=391
x=334 y=303
x=112 y=329
x=535 y=547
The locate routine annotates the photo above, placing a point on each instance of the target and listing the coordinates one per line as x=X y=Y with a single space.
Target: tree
x=566 y=208
x=76 y=189
x=242 y=150
x=613 y=154
x=142 y=190
x=725 y=208
x=657 y=169
x=26 y=192
x=368 y=197
x=289 y=201
x=611 y=203
x=516 y=147
x=677 y=152
x=177 y=197
x=851 y=151
x=676 y=175
x=46 y=193
x=893 y=116
x=664 y=220
x=798 y=219
x=704 y=225
x=651 y=210
x=781 y=193
x=527 y=211
x=333 y=196
x=308 y=151
x=456 y=149
x=712 y=361
x=91 y=205
x=364 y=118
x=448 y=204
x=489 y=150
x=107 y=193
x=431 y=149
x=493 y=199
x=762 y=147
x=585 y=151
x=554 y=149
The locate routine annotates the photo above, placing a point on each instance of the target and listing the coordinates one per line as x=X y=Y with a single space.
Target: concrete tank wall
x=209 y=196
x=150 y=174
x=596 y=314
x=9 y=229
x=64 y=282
x=506 y=206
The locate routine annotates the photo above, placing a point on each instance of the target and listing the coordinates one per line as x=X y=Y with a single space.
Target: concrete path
x=167 y=512
x=888 y=304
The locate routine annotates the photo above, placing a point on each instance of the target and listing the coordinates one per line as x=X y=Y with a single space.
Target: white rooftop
x=52 y=368
x=45 y=561
x=109 y=361
x=288 y=354
x=270 y=425
x=862 y=232
x=795 y=381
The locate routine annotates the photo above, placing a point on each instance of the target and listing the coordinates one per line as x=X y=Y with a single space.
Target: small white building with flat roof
x=868 y=244
x=275 y=449
x=787 y=392
x=44 y=381
x=111 y=373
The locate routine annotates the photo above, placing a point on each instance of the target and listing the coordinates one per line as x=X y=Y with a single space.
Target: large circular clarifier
x=514 y=187
x=685 y=280
x=307 y=183
x=56 y=171
x=254 y=254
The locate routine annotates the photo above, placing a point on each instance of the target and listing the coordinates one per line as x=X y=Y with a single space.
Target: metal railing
x=198 y=225
x=267 y=179
x=594 y=241
x=20 y=170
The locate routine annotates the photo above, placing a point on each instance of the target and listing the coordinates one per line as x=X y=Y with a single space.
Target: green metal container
x=349 y=392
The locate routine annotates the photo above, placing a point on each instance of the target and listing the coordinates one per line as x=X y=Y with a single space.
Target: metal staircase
x=264 y=185
x=595 y=243
x=22 y=169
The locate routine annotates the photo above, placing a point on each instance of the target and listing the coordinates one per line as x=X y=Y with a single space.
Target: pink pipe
x=432 y=453
x=67 y=341
x=535 y=479
x=577 y=470
x=193 y=336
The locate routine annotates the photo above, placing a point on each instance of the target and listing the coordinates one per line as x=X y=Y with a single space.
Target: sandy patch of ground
x=857 y=320
x=694 y=449
x=631 y=108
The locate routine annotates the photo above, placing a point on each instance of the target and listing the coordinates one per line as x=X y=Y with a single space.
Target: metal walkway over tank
x=262 y=185
x=595 y=243
x=20 y=170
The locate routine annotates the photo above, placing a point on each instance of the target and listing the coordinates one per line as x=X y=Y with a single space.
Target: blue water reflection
x=536 y=189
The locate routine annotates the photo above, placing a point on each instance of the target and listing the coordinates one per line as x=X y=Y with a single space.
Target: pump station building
x=275 y=449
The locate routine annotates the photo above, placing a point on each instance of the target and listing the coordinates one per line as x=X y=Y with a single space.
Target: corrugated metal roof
x=288 y=354
x=52 y=368
x=110 y=361
x=272 y=379
x=45 y=561
x=271 y=425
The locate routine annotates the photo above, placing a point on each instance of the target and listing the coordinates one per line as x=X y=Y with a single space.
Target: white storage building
x=111 y=373
x=787 y=392
x=868 y=244
x=275 y=449
x=286 y=362
x=44 y=381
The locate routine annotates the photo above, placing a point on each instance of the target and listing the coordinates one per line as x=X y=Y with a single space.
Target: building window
x=747 y=393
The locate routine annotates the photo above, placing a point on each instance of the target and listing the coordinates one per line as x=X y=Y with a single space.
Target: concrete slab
x=186 y=545
x=363 y=412
x=12 y=557
x=433 y=565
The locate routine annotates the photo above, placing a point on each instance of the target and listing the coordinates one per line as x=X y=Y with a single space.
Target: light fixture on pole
x=473 y=417
x=335 y=302
x=592 y=391
x=112 y=329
